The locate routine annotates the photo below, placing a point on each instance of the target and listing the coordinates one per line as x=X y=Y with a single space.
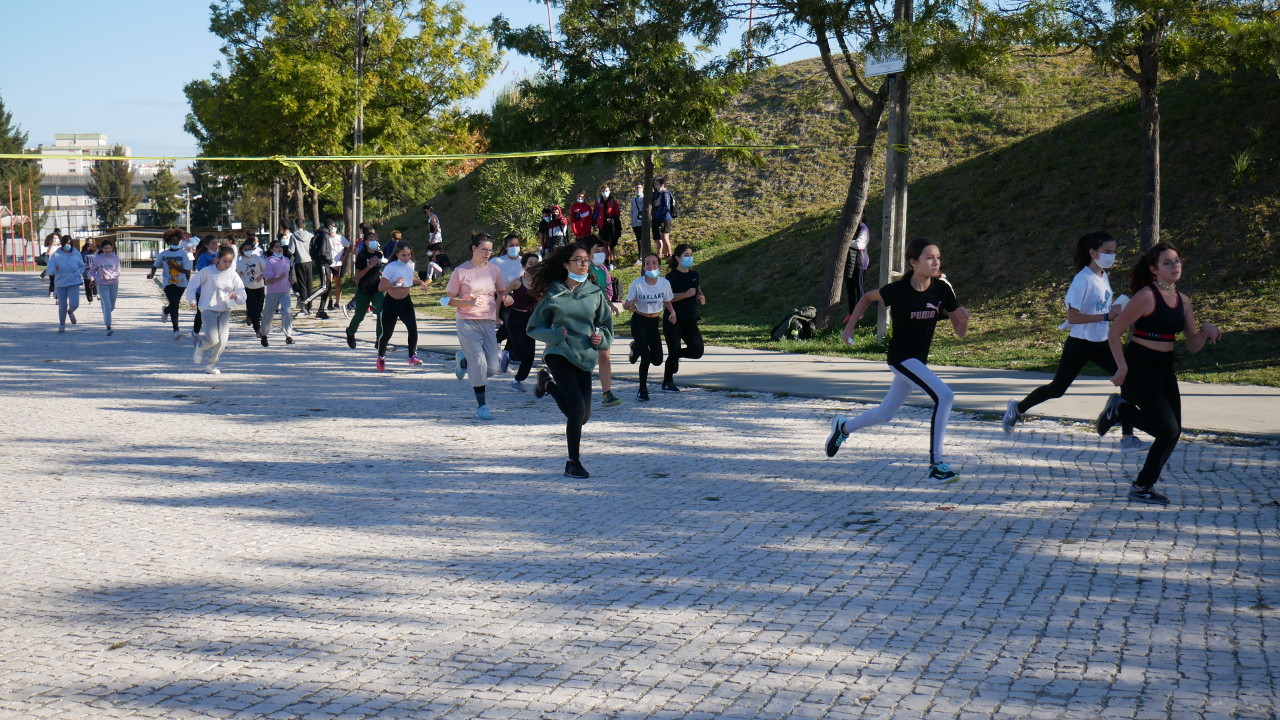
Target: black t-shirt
x=369 y=283
x=686 y=309
x=914 y=315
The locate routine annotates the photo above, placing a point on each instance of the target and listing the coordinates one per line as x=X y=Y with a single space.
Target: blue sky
x=118 y=67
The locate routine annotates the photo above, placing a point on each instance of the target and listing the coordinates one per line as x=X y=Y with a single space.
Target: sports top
x=1164 y=323
x=1090 y=294
x=914 y=314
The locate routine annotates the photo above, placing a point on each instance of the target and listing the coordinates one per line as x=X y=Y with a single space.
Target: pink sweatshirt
x=276 y=273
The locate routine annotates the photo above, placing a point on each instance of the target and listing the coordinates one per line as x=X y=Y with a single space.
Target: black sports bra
x=1164 y=323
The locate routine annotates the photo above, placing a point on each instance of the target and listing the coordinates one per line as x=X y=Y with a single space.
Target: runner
x=397 y=282
x=339 y=245
x=682 y=319
x=509 y=263
x=1090 y=307
x=520 y=347
x=66 y=267
x=1149 y=398
x=600 y=276
x=207 y=257
x=90 y=287
x=572 y=319
x=105 y=272
x=477 y=289
x=250 y=267
x=916 y=303
x=217 y=288
x=646 y=298
x=368 y=267
x=177 y=271
x=277 y=273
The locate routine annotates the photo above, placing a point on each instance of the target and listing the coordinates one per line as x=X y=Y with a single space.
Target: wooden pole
x=31 y=225
x=12 y=236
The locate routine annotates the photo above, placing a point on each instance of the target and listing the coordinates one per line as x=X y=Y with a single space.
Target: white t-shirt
x=1090 y=294
x=337 y=243
x=649 y=298
x=399 y=271
x=510 y=267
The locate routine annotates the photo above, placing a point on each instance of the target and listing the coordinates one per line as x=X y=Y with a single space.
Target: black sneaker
x=263 y=338
x=670 y=387
x=1110 y=414
x=642 y=395
x=837 y=436
x=351 y=340
x=288 y=341
x=322 y=315
x=574 y=469
x=542 y=383
x=1148 y=495
x=633 y=357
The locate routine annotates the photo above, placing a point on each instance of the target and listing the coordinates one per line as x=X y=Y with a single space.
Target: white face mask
x=1106 y=260
x=604 y=193
x=597 y=258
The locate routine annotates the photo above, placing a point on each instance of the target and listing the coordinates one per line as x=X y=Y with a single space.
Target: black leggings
x=255 y=298
x=1076 y=353
x=853 y=276
x=519 y=344
x=647 y=334
x=392 y=310
x=173 y=293
x=686 y=331
x=572 y=391
x=1153 y=405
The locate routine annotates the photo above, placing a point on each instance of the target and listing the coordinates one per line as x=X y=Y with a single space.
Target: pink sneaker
x=413 y=360
x=382 y=364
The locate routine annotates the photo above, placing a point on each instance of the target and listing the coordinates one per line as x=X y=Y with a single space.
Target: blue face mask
x=278 y=253
x=173 y=247
x=576 y=277
x=513 y=252
x=652 y=273
x=686 y=261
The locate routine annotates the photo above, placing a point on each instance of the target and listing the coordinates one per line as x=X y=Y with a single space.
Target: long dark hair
x=915 y=248
x=1087 y=242
x=551 y=269
x=673 y=262
x=1141 y=275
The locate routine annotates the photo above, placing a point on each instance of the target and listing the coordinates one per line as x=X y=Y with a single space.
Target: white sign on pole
x=887 y=65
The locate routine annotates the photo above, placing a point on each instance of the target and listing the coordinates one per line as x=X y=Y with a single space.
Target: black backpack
x=797 y=324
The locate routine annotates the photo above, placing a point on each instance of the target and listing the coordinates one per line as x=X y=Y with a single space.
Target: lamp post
x=187 y=197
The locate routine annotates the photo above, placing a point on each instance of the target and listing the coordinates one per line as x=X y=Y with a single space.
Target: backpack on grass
x=798 y=324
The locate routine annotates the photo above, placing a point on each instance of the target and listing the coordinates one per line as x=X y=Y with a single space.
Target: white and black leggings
x=907 y=376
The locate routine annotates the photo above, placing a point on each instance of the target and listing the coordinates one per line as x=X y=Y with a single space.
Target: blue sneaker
x=460 y=365
x=504 y=361
x=837 y=436
x=941 y=471
x=483 y=413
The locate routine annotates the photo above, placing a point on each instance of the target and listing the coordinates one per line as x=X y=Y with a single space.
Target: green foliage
x=111 y=187
x=162 y=191
x=216 y=194
x=511 y=195
x=252 y=206
x=24 y=174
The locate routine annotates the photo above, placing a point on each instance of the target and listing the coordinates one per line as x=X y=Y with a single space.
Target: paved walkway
x=304 y=538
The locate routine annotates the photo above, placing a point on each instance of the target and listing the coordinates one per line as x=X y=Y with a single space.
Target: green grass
x=1005 y=180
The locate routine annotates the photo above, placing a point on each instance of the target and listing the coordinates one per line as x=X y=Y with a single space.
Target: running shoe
x=483 y=413
x=1147 y=494
x=517 y=386
x=1011 y=417
x=212 y=369
x=642 y=395
x=670 y=387
x=265 y=342
x=837 y=436
x=610 y=400
x=177 y=334
x=110 y=332
x=198 y=356
x=351 y=340
x=288 y=340
x=574 y=469
x=459 y=365
x=71 y=315
x=322 y=315
x=941 y=471
x=632 y=356
x=382 y=364
x=1110 y=414
x=164 y=312
x=504 y=361
x=541 y=385
x=1131 y=444
x=414 y=361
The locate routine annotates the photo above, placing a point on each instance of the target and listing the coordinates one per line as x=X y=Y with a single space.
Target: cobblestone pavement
x=304 y=538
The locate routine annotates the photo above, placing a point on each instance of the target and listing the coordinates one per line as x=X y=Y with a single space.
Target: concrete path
x=303 y=537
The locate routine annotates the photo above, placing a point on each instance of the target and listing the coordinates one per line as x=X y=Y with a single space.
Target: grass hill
x=1005 y=180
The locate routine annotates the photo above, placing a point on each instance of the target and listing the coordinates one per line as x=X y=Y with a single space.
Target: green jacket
x=579 y=311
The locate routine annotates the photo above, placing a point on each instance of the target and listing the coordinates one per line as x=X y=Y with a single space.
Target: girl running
x=105 y=272
x=1149 y=399
x=217 y=288
x=682 y=318
x=646 y=298
x=520 y=347
x=916 y=303
x=477 y=290
x=66 y=267
x=600 y=275
x=276 y=273
x=398 y=279
x=250 y=267
x=1090 y=307
x=574 y=322
x=177 y=271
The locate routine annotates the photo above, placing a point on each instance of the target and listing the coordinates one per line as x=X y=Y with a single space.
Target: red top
x=606 y=210
x=580 y=216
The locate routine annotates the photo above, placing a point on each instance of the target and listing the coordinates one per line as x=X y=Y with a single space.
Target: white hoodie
x=216 y=288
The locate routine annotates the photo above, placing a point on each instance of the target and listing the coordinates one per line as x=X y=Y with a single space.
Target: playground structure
x=19 y=247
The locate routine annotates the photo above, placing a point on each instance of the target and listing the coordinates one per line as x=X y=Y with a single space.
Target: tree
x=511 y=195
x=211 y=196
x=162 y=190
x=1147 y=40
x=420 y=59
x=620 y=74
x=24 y=174
x=111 y=187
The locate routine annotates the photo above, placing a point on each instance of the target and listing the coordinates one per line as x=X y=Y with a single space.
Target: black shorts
x=336 y=272
x=662 y=226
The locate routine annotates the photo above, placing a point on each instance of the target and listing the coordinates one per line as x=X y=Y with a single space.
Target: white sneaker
x=212 y=369
x=517 y=386
x=198 y=356
x=1011 y=417
x=177 y=335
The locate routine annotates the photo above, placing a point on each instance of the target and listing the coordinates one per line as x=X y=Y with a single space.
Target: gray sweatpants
x=273 y=302
x=479 y=341
x=215 y=326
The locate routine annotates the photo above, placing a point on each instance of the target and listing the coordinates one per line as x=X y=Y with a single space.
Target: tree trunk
x=299 y=200
x=646 y=227
x=315 y=206
x=1149 y=114
x=855 y=202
